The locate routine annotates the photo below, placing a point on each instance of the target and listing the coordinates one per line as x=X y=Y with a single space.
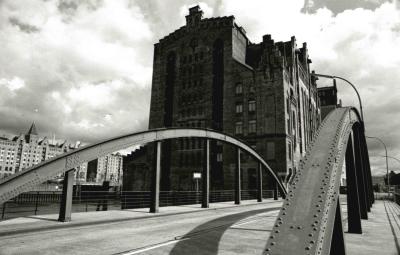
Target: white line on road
x=152 y=247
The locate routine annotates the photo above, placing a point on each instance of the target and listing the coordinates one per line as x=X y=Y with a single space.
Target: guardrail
x=47 y=202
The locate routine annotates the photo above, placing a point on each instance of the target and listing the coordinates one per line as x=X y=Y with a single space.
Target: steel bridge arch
x=309 y=221
x=25 y=180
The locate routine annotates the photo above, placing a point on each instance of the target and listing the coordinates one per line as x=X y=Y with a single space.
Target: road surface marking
x=179 y=238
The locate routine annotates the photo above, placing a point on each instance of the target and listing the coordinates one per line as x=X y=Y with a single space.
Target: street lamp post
x=387 y=164
x=351 y=84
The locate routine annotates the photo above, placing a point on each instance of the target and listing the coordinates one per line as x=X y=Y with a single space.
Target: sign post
x=196 y=177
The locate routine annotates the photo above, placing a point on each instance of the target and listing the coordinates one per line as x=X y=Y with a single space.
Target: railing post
x=353 y=203
x=237 y=178
x=3 y=213
x=36 y=202
x=155 y=187
x=362 y=192
x=205 y=191
x=106 y=188
x=259 y=183
x=66 y=197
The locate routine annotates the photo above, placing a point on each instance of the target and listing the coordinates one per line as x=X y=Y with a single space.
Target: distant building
x=137 y=174
x=106 y=168
x=208 y=74
x=26 y=150
x=328 y=98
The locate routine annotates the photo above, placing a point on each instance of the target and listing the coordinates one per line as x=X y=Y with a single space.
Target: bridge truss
x=310 y=220
x=66 y=163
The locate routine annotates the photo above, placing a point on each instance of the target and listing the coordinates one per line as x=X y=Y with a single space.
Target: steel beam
x=368 y=169
x=337 y=244
x=205 y=191
x=362 y=192
x=27 y=179
x=66 y=197
x=306 y=223
x=367 y=184
x=353 y=204
x=155 y=187
x=259 y=183
x=237 y=178
x=275 y=191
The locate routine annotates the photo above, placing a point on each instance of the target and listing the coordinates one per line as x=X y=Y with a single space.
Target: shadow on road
x=205 y=238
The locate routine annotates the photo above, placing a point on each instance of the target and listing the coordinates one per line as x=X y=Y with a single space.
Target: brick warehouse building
x=208 y=74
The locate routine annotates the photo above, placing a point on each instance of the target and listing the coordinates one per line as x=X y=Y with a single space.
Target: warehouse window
x=239 y=107
x=252 y=126
x=239 y=128
x=252 y=105
x=239 y=88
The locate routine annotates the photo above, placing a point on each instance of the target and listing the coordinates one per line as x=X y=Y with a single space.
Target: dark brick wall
x=274 y=75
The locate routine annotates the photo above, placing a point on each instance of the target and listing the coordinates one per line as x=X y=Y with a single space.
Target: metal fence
x=47 y=202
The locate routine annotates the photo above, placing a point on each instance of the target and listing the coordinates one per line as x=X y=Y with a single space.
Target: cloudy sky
x=82 y=69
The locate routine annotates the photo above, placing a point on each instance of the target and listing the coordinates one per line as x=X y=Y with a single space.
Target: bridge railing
x=47 y=202
x=66 y=163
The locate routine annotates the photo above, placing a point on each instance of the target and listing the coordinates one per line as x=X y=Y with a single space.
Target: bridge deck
x=223 y=229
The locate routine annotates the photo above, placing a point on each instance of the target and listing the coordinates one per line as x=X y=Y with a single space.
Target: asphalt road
x=235 y=230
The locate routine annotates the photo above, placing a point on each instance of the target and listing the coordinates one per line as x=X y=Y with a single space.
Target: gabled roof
x=32 y=129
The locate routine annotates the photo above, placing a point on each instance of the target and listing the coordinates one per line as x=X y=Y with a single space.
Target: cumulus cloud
x=82 y=69
x=359 y=44
x=13 y=84
x=74 y=67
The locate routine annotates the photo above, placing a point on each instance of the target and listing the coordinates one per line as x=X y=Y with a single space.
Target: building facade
x=107 y=168
x=328 y=98
x=28 y=149
x=208 y=74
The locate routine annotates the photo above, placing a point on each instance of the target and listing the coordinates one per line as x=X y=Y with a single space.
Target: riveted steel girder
x=305 y=224
x=27 y=179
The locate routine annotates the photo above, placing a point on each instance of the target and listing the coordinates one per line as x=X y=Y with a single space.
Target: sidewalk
x=381 y=232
